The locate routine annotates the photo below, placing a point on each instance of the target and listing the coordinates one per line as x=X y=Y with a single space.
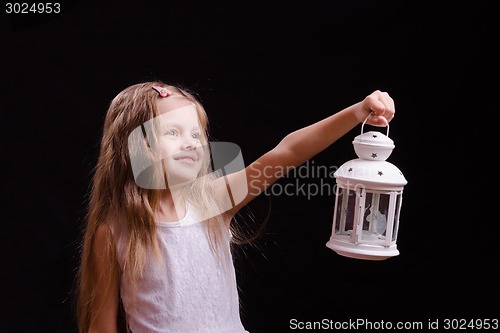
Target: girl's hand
x=381 y=107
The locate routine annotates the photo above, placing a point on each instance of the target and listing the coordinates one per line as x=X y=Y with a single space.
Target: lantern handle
x=363 y=125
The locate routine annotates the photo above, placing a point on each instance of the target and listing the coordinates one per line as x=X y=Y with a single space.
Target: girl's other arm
x=299 y=146
x=105 y=304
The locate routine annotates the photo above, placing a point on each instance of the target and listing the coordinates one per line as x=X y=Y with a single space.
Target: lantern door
x=379 y=222
x=344 y=215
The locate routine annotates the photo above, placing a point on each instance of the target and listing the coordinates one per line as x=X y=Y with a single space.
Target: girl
x=156 y=252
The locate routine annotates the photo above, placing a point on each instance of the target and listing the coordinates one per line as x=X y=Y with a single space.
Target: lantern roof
x=371 y=168
x=376 y=174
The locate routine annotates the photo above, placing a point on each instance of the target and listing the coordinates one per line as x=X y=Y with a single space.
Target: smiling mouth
x=186 y=159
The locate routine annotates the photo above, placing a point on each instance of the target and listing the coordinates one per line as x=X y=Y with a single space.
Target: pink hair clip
x=164 y=92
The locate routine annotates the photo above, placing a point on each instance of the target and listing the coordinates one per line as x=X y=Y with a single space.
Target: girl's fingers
x=377 y=121
x=381 y=105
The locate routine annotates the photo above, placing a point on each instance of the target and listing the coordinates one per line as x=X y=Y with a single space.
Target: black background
x=262 y=70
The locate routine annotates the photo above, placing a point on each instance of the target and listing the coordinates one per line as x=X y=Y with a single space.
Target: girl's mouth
x=186 y=158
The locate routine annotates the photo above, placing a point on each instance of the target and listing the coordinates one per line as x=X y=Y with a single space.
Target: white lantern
x=368 y=200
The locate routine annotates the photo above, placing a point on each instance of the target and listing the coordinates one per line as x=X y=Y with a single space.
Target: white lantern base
x=362 y=251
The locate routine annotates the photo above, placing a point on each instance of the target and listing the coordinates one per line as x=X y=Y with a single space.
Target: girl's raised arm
x=299 y=146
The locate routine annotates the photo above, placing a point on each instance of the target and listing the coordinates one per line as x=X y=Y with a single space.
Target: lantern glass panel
x=375 y=216
x=396 y=217
x=344 y=221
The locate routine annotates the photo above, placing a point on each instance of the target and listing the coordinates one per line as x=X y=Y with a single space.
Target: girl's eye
x=196 y=135
x=171 y=132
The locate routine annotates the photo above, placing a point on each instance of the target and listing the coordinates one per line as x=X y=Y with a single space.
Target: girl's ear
x=145 y=160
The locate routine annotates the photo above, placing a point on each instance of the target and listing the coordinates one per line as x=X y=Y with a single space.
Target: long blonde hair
x=118 y=203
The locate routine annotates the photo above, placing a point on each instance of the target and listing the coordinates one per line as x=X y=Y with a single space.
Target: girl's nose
x=189 y=143
x=187 y=147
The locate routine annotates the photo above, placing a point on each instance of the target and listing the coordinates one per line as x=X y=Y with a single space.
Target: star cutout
x=380 y=173
x=350 y=169
x=374 y=155
x=374 y=135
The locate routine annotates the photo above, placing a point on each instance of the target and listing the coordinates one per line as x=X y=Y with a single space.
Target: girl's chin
x=180 y=181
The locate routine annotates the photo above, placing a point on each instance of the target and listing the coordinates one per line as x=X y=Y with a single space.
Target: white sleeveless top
x=190 y=290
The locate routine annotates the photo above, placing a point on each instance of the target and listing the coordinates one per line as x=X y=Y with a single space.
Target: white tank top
x=189 y=290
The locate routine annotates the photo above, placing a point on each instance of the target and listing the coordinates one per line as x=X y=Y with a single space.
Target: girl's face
x=180 y=142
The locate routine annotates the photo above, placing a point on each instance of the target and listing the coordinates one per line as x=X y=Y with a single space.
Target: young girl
x=156 y=252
